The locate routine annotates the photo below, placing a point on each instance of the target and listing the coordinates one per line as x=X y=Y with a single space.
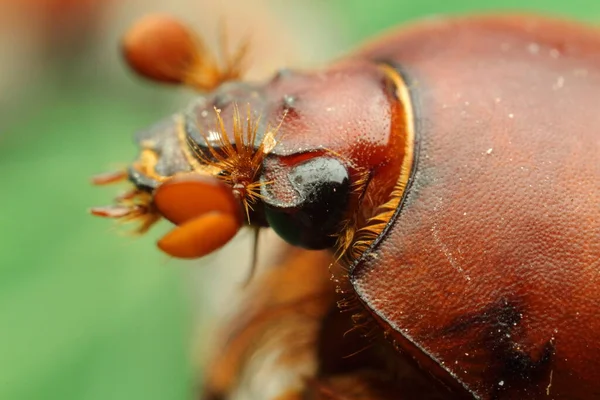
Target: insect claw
x=108 y=178
x=128 y=195
x=114 y=211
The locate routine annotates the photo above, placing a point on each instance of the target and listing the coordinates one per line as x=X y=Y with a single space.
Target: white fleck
x=498 y=99
x=213 y=136
x=511 y=115
x=467 y=354
x=204 y=113
x=269 y=142
x=554 y=53
x=489 y=151
x=560 y=82
x=501 y=383
x=466 y=103
x=549 y=383
x=449 y=256
x=329 y=109
x=533 y=48
x=465 y=213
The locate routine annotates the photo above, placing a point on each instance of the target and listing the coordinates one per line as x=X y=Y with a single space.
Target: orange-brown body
x=489 y=274
x=449 y=177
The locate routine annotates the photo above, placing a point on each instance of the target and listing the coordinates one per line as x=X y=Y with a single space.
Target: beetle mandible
x=449 y=176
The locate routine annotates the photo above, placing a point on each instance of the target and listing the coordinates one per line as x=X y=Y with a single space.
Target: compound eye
x=311 y=215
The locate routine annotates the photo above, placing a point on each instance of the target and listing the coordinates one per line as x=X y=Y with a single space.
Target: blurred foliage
x=86 y=313
x=363 y=18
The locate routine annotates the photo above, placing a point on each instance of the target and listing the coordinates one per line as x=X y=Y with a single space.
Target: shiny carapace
x=439 y=193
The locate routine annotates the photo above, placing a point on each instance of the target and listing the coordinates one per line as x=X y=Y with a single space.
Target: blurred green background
x=85 y=311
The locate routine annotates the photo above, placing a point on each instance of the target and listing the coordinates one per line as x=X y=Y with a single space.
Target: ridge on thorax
x=360 y=232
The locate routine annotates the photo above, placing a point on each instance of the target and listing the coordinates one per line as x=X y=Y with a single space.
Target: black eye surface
x=311 y=215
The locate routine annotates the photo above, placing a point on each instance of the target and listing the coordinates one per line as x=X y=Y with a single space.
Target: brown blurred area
x=42 y=40
x=35 y=32
x=54 y=23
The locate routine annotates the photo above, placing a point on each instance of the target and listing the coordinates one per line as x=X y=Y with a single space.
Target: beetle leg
x=271 y=342
x=132 y=206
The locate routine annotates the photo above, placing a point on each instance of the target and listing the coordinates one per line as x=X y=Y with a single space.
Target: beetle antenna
x=163 y=49
x=235 y=62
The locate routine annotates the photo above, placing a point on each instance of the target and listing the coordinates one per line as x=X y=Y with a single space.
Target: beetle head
x=302 y=153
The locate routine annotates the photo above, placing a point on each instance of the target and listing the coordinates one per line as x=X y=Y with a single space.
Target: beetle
x=447 y=176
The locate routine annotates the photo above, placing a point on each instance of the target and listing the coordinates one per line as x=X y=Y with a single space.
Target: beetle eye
x=311 y=215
